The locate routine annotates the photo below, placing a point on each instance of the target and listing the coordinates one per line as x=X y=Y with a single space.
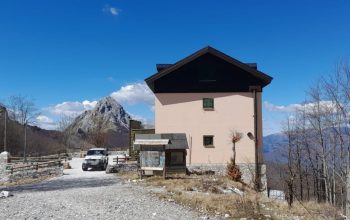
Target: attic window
x=208 y=103
x=207 y=80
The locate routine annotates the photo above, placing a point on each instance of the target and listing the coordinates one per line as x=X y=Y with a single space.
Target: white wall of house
x=184 y=113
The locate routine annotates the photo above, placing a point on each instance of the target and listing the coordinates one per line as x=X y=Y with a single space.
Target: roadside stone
x=5 y=194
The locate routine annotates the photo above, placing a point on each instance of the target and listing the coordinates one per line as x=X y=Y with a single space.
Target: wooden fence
x=39 y=159
x=18 y=164
x=120 y=160
x=12 y=167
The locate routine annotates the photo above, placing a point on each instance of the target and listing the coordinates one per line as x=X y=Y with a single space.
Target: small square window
x=208 y=141
x=208 y=103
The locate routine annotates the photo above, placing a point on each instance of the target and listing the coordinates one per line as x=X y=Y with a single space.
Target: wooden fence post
x=347 y=196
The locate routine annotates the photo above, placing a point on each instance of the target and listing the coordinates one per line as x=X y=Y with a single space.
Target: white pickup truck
x=95 y=158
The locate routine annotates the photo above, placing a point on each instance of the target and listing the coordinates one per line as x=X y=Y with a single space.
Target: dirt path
x=88 y=195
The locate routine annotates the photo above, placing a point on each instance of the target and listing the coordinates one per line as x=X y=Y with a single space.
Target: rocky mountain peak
x=107 y=104
x=111 y=113
x=108 y=115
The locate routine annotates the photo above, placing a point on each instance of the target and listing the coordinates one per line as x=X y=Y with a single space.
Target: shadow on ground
x=63 y=184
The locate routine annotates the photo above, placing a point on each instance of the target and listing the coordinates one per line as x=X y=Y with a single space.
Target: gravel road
x=88 y=195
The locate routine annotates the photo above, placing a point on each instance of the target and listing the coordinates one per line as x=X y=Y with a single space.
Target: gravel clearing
x=88 y=195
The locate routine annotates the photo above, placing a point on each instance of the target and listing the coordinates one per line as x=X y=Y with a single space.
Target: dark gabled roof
x=169 y=68
x=161 y=67
x=250 y=68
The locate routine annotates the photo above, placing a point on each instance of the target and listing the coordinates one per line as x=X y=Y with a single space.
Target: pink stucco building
x=208 y=95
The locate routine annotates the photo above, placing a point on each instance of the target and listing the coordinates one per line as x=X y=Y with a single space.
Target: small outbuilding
x=161 y=153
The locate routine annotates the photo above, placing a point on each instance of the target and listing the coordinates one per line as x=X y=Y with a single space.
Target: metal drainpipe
x=257 y=170
x=190 y=150
x=5 y=131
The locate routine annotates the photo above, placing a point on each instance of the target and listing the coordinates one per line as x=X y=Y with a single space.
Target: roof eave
x=263 y=76
x=178 y=64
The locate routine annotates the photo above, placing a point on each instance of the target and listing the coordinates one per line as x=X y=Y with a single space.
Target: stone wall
x=247 y=170
x=126 y=167
x=28 y=173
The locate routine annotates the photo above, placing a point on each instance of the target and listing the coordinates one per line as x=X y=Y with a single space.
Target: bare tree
x=66 y=130
x=235 y=138
x=233 y=171
x=289 y=132
x=318 y=148
x=23 y=110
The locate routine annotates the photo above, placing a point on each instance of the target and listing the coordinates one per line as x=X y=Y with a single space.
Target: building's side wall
x=184 y=113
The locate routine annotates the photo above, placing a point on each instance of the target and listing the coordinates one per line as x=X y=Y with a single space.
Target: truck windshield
x=96 y=152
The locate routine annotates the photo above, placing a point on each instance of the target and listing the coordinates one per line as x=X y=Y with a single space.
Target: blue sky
x=62 y=53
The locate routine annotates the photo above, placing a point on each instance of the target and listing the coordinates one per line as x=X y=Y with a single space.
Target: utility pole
x=347 y=204
x=5 y=131
x=25 y=142
x=5 y=126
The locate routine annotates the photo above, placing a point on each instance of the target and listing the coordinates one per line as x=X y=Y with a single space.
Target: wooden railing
x=33 y=166
x=39 y=159
x=118 y=160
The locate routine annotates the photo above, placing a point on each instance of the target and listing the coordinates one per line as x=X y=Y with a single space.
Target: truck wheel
x=85 y=169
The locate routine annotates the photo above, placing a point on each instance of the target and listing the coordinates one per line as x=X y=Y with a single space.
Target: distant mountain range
x=274 y=146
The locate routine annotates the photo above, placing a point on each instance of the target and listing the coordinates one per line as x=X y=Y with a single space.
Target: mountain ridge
x=109 y=118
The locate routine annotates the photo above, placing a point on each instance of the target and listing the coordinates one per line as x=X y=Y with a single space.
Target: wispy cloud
x=44 y=121
x=134 y=93
x=114 y=11
x=276 y=115
x=111 y=10
x=71 y=108
x=281 y=108
x=328 y=106
x=111 y=79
